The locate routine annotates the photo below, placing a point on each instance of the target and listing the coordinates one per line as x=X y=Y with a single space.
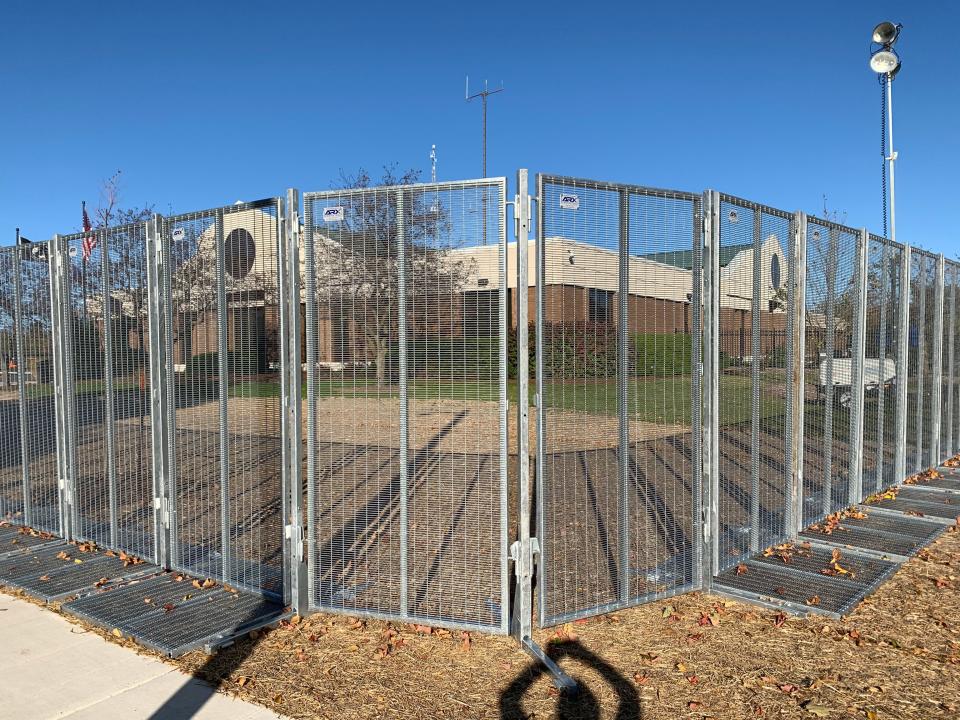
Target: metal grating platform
x=803 y=577
x=890 y=535
x=15 y=539
x=174 y=617
x=936 y=505
x=60 y=570
x=801 y=585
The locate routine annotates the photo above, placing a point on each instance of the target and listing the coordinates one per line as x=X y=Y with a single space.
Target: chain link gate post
x=160 y=410
x=296 y=589
x=710 y=521
x=796 y=307
x=523 y=550
x=855 y=486
x=934 y=458
x=903 y=338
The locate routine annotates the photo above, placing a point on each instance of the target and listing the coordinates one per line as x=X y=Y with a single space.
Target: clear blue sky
x=201 y=104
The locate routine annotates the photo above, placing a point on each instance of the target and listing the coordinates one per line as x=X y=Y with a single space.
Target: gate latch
x=294 y=533
x=524 y=566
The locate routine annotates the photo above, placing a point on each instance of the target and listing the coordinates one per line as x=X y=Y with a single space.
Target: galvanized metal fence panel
x=881 y=374
x=12 y=489
x=831 y=302
x=953 y=400
x=756 y=354
x=221 y=286
x=618 y=328
x=947 y=404
x=406 y=375
x=30 y=432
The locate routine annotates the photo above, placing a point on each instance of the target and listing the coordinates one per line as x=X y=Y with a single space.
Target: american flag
x=89 y=241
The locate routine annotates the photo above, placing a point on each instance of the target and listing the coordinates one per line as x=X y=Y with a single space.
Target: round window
x=775 y=271
x=239 y=252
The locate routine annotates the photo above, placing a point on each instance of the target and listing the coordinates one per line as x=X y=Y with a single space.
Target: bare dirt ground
x=473 y=424
x=694 y=656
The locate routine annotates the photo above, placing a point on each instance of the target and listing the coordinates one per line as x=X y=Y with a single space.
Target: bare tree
x=358 y=265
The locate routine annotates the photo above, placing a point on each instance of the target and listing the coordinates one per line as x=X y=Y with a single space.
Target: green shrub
x=241 y=363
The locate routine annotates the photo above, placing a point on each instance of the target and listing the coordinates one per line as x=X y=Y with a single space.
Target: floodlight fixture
x=885 y=62
x=886 y=33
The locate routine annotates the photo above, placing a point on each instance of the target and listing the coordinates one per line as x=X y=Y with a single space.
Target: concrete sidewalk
x=50 y=668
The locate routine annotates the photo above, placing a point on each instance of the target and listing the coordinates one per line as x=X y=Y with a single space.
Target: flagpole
x=83 y=263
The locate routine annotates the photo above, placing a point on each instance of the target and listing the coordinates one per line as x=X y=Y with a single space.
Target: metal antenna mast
x=483 y=95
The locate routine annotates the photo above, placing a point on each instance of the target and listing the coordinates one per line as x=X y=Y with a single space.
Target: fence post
x=522 y=551
x=623 y=369
x=223 y=385
x=934 y=458
x=903 y=341
x=711 y=385
x=404 y=402
x=105 y=287
x=295 y=561
x=159 y=400
x=796 y=307
x=61 y=330
x=830 y=347
x=311 y=355
x=755 y=382
x=855 y=486
x=21 y=387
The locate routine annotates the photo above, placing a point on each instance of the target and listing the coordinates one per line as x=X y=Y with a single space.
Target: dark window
x=239 y=252
x=601 y=305
x=775 y=271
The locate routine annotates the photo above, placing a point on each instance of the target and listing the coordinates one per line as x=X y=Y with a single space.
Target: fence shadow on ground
x=584 y=705
x=206 y=680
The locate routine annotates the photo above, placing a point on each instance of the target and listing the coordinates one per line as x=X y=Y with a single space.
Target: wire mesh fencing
x=755 y=306
x=881 y=374
x=618 y=339
x=222 y=337
x=406 y=305
x=29 y=493
x=712 y=375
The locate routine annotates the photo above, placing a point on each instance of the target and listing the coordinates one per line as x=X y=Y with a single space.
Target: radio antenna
x=483 y=95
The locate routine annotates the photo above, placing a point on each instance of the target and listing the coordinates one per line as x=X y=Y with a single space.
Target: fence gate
x=406 y=416
x=618 y=328
x=221 y=329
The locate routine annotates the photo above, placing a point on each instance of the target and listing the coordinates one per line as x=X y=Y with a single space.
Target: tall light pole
x=886 y=63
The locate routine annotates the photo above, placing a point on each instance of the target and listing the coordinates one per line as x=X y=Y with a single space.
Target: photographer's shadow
x=582 y=705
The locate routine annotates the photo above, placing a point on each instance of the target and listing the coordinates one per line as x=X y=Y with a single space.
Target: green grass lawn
x=661 y=400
